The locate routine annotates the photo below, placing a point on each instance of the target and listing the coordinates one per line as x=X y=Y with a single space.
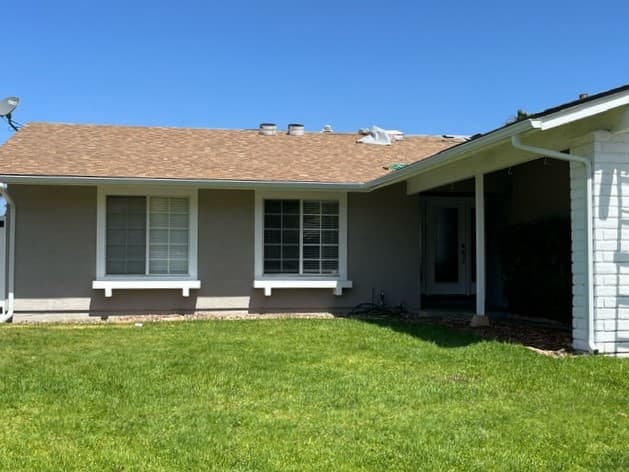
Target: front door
x=450 y=257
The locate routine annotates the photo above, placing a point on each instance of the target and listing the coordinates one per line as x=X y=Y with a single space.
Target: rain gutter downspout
x=11 y=272
x=517 y=144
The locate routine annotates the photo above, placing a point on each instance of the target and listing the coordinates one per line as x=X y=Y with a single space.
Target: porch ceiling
x=502 y=155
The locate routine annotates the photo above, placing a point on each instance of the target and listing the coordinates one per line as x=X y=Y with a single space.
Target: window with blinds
x=168 y=240
x=301 y=237
x=147 y=235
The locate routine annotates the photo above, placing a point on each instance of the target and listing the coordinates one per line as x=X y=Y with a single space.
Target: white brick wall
x=579 y=264
x=611 y=241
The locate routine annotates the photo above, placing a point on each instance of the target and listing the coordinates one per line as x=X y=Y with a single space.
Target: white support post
x=480 y=319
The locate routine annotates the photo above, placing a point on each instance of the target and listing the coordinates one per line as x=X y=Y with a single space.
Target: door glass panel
x=447 y=245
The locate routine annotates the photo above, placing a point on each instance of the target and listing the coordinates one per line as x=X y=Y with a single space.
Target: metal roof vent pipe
x=296 y=129
x=268 y=129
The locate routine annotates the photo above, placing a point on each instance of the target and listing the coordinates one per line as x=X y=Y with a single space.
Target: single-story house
x=106 y=220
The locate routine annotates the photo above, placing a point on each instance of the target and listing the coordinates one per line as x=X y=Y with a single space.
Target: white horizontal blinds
x=320 y=237
x=126 y=235
x=281 y=236
x=168 y=235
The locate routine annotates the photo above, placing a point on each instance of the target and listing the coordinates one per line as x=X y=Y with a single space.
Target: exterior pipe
x=11 y=272
x=517 y=144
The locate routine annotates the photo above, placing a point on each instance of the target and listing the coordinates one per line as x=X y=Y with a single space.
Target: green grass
x=301 y=395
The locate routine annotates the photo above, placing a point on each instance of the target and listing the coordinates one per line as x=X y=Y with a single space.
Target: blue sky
x=442 y=67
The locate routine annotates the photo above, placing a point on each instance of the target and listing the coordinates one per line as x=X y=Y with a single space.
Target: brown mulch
x=547 y=339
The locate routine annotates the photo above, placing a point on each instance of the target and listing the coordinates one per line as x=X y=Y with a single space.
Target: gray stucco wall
x=56 y=256
x=55 y=245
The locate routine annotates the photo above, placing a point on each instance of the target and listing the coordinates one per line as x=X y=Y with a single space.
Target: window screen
x=126 y=235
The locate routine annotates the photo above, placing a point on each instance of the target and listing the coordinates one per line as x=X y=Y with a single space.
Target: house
x=117 y=219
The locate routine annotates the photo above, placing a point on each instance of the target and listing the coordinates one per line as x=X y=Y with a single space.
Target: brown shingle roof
x=46 y=149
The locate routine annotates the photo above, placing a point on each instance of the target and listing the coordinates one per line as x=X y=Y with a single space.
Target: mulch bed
x=546 y=339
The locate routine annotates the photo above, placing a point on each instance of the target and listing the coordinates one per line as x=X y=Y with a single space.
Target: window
x=135 y=236
x=301 y=237
x=146 y=234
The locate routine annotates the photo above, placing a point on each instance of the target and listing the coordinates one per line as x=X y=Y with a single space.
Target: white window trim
x=270 y=281
x=123 y=281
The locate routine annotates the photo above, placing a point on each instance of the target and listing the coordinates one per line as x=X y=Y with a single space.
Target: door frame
x=466 y=284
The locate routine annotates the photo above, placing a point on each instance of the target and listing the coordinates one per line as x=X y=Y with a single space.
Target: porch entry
x=450 y=255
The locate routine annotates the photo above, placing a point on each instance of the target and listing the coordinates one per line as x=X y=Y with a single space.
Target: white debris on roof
x=380 y=136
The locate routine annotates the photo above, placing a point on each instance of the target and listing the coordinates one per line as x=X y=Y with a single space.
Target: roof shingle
x=47 y=149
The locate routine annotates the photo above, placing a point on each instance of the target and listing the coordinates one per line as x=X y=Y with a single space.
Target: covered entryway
x=526 y=248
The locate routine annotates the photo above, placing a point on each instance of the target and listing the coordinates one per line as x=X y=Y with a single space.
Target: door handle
x=463 y=253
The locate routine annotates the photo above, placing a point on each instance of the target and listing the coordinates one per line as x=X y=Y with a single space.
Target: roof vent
x=327 y=129
x=583 y=96
x=268 y=129
x=296 y=129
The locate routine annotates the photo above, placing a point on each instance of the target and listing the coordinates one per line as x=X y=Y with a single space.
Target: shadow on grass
x=439 y=335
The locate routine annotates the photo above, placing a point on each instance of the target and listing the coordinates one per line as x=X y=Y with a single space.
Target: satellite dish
x=6 y=108
x=8 y=105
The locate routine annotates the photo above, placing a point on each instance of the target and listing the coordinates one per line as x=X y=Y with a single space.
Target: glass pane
x=312 y=237
x=272 y=266
x=330 y=208
x=272 y=252
x=125 y=247
x=312 y=221
x=290 y=207
x=272 y=236
x=168 y=235
x=290 y=266
x=312 y=267
x=290 y=236
x=311 y=252
x=447 y=245
x=290 y=252
x=272 y=221
x=330 y=222
x=330 y=237
x=330 y=252
x=272 y=206
x=312 y=207
x=330 y=267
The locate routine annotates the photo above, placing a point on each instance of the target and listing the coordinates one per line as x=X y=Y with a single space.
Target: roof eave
x=198 y=183
x=454 y=153
x=493 y=138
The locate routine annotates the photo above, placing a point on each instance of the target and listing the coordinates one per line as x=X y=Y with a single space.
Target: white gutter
x=198 y=183
x=11 y=272
x=517 y=144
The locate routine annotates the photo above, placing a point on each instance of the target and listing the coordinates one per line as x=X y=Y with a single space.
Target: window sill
x=269 y=284
x=109 y=285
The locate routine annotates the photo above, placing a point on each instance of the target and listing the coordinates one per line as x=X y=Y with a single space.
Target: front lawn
x=301 y=395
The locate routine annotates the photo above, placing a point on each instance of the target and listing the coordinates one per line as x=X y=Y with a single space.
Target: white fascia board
x=584 y=110
x=201 y=184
